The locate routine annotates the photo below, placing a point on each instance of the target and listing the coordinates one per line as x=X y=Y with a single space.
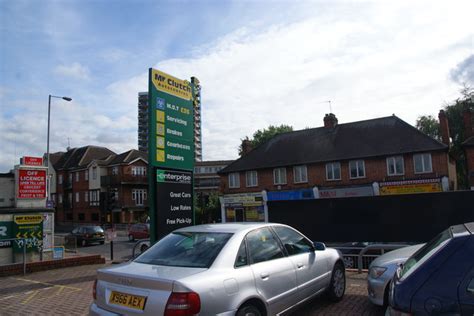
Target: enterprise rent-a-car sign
x=171 y=121
x=174 y=200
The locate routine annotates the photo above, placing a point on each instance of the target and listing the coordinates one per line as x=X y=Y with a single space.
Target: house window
x=69 y=198
x=139 y=171
x=70 y=179
x=94 y=197
x=77 y=197
x=95 y=217
x=60 y=199
x=86 y=175
x=81 y=217
x=395 y=166
x=251 y=178
x=86 y=196
x=234 y=180
x=279 y=176
x=333 y=171
x=115 y=171
x=422 y=163
x=300 y=174
x=357 y=169
x=139 y=196
x=53 y=196
x=60 y=179
x=77 y=176
x=94 y=173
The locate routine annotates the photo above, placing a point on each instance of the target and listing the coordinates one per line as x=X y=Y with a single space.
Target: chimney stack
x=330 y=120
x=467 y=120
x=246 y=146
x=444 y=127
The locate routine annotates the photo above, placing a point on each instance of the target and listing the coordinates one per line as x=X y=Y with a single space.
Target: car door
x=466 y=294
x=274 y=273
x=310 y=271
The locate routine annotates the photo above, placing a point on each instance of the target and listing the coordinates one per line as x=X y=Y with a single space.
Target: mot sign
x=171 y=121
x=174 y=200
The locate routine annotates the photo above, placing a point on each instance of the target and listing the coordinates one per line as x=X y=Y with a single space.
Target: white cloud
x=74 y=70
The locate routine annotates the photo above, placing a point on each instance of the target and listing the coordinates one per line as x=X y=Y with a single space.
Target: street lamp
x=47 y=142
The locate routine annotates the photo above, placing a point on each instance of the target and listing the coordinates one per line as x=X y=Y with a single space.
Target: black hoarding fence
x=397 y=218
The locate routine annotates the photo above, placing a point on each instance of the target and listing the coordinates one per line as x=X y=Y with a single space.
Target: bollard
x=111 y=250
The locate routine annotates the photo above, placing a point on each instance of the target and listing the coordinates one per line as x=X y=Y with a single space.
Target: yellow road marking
x=29 y=298
x=49 y=284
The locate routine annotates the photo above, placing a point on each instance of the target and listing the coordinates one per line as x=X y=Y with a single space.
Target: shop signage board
x=171 y=125
x=174 y=200
x=5 y=233
x=31 y=184
x=29 y=227
x=32 y=161
x=410 y=187
x=346 y=192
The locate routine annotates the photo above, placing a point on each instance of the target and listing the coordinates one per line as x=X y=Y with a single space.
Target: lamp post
x=47 y=142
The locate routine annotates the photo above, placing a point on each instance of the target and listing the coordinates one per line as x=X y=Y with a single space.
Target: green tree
x=261 y=136
x=454 y=112
x=429 y=125
x=207 y=208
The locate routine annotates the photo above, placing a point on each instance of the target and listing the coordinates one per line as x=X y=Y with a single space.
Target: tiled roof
x=128 y=157
x=363 y=139
x=80 y=157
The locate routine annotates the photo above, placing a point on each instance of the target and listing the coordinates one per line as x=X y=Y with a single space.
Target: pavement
x=68 y=291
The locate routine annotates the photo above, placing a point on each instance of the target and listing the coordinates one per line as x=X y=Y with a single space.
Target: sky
x=260 y=63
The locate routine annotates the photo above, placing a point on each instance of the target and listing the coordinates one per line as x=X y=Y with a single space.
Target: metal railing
x=358 y=258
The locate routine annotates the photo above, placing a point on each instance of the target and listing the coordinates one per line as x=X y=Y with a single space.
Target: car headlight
x=376 y=272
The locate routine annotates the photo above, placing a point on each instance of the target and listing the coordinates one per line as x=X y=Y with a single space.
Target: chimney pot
x=330 y=120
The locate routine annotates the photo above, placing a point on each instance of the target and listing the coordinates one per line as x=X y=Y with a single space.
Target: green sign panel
x=171 y=138
x=29 y=227
x=5 y=233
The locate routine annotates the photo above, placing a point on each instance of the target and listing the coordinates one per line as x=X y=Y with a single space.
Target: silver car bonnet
x=398 y=255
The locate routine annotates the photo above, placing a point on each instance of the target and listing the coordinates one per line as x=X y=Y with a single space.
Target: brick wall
x=375 y=171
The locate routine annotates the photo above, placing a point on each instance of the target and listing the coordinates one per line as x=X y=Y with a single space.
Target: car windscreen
x=94 y=229
x=186 y=249
x=424 y=253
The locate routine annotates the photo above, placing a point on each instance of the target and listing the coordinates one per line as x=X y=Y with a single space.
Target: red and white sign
x=32 y=161
x=31 y=184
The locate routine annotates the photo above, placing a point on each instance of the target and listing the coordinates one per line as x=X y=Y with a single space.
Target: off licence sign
x=31 y=184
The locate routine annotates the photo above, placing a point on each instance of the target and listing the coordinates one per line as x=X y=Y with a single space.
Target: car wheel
x=83 y=243
x=143 y=248
x=348 y=262
x=131 y=238
x=337 y=287
x=248 y=310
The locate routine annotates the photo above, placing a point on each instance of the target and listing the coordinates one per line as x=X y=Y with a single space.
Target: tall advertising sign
x=170 y=152
x=31 y=184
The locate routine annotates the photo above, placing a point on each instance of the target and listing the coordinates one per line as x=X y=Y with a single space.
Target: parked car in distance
x=438 y=279
x=226 y=269
x=381 y=272
x=86 y=235
x=139 y=231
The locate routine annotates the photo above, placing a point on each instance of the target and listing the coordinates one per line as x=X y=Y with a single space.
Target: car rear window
x=186 y=249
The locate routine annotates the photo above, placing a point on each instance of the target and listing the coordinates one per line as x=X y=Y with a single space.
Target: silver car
x=221 y=269
x=381 y=271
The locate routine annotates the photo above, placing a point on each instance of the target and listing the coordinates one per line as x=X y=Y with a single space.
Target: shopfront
x=246 y=207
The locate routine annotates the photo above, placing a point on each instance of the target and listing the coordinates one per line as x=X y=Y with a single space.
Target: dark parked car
x=85 y=235
x=438 y=279
x=139 y=231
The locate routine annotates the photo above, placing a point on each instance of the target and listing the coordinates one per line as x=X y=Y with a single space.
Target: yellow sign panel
x=410 y=188
x=171 y=85
x=28 y=219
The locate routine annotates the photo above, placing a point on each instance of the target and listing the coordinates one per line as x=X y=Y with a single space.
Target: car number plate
x=128 y=300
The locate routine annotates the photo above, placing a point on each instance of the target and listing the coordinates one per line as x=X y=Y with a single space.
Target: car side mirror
x=319 y=246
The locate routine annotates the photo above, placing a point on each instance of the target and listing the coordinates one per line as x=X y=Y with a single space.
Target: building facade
x=382 y=156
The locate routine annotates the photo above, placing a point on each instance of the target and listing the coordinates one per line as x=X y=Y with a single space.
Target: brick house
x=372 y=157
x=95 y=185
